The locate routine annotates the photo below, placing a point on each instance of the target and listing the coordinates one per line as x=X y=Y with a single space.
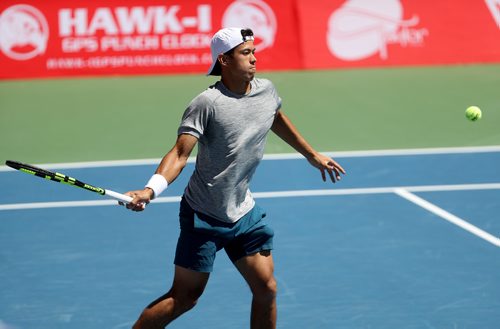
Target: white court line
x=404 y=192
x=278 y=156
x=267 y=195
x=377 y=190
x=69 y=204
x=448 y=216
x=56 y=204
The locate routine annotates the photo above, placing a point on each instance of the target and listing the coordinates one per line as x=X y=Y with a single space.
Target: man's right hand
x=140 y=199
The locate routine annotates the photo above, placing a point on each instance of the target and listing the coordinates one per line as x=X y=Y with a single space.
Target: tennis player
x=230 y=122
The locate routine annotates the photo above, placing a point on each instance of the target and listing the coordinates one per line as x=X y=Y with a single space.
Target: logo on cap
x=24 y=32
x=362 y=28
x=254 y=14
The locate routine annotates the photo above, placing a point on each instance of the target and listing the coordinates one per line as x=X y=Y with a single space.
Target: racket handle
x=118 y=196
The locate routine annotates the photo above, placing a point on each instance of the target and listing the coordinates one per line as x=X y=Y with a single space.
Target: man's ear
x=223 y=59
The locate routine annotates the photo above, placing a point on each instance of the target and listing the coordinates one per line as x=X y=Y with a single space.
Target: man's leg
x=186 y=289
x=257 y=269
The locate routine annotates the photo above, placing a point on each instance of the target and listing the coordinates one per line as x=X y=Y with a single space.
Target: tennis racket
x=61 y=178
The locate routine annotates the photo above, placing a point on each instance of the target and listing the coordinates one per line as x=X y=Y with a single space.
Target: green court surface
x=65 y=120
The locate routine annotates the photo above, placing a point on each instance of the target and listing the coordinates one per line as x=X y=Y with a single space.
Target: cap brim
x=211 y=68
x=215 y=69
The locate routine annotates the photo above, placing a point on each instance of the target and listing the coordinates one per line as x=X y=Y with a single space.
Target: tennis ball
x=473 y=113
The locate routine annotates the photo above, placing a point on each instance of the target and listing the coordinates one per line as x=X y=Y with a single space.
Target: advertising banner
x=114 y=37
x=358 y=33
x=74 y=38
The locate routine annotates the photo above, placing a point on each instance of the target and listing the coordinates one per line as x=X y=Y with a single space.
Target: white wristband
x=158 y=184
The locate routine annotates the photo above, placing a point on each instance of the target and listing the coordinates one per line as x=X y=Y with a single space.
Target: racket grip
x=118 y=196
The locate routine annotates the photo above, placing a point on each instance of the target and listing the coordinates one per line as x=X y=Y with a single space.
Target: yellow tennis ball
x=473 y=113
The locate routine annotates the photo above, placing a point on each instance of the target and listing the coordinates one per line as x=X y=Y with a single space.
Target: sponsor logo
x=362 y=28
x=254 y=14
x=24 y=32
x=494 y=7
x=95 y=189
x=134 y=28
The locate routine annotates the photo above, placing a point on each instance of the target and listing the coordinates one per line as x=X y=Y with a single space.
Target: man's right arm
x=170 y=167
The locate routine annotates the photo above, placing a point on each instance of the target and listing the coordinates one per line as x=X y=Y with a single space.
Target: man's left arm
x=285 y=129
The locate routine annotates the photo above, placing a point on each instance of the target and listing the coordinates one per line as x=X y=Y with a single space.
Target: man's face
x=242 y=61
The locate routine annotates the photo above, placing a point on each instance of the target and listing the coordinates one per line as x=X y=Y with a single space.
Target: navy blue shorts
x=202 y=236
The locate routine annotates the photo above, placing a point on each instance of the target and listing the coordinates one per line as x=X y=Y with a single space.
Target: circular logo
x=254 y=14
x=24 y=32
x=359 y=29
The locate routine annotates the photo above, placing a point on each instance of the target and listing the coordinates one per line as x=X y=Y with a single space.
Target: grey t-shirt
x=231 y=131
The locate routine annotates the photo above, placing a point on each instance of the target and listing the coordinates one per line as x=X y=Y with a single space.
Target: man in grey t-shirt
x=229 y=121
x=231 y=130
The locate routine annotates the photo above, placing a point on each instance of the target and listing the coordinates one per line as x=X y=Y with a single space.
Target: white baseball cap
x=225 y=40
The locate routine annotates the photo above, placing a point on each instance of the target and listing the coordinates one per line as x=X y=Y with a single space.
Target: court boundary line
x=440 y=212
x=404 y=192
x=268 y=195
x=278 y=156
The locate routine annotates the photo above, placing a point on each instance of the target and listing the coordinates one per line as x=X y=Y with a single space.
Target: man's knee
x=187 y=288
x=185 y=304
x=184 y=301
x=266 y=291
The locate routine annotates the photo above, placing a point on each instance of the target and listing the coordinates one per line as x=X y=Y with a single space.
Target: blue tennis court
x=407 y=240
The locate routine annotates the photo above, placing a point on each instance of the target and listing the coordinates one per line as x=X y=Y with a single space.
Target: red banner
x=74 y=38
x=390 y=32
